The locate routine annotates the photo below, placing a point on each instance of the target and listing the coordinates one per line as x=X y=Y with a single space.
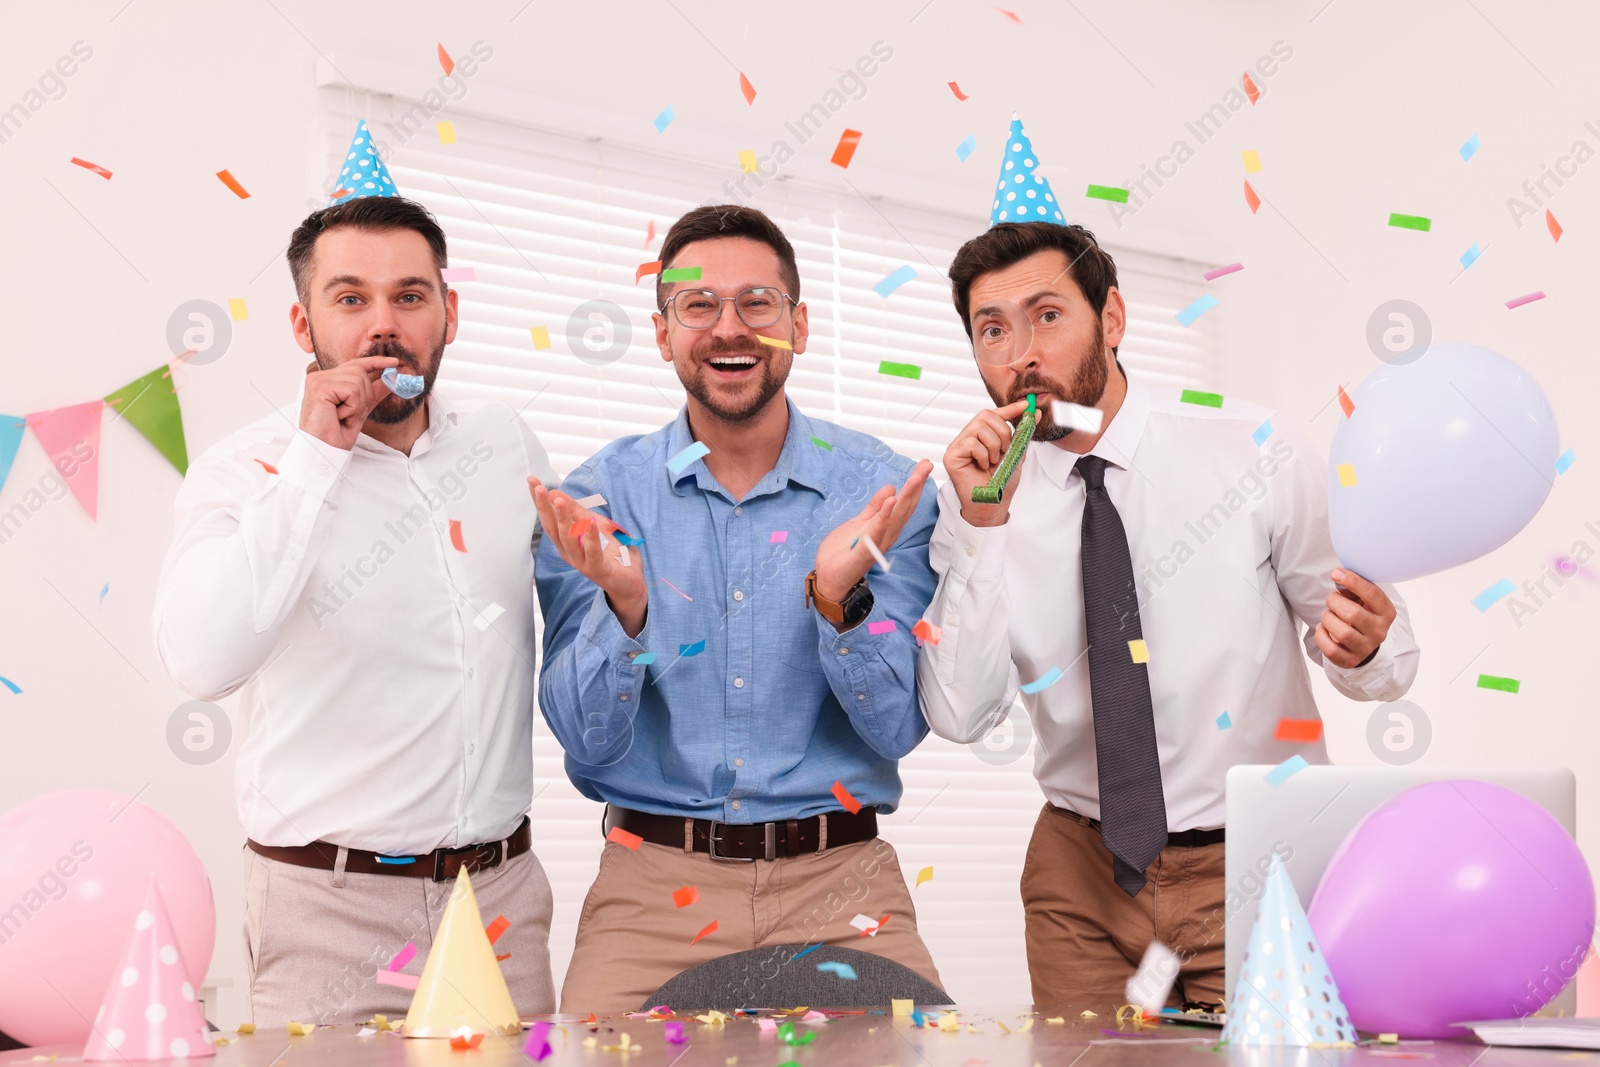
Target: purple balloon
x=1454 y=901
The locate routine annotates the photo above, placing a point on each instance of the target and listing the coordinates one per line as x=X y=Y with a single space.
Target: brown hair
x=363 y=213
x=729 y=220
x=1008 y=243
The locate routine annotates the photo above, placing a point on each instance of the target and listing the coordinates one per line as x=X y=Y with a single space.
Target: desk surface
x=855 y=1040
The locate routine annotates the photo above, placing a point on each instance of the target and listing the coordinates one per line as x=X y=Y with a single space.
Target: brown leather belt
x=748 y=841
x=1181 y=839
x=439 y=865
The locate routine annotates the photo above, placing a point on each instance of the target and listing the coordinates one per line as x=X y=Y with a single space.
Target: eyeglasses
x=699 y=309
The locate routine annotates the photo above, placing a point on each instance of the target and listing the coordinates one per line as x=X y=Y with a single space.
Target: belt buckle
x=440 y=855
x=771 y=844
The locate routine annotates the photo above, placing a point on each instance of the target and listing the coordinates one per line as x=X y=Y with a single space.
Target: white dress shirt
x=1230 y=547
x=387 y=674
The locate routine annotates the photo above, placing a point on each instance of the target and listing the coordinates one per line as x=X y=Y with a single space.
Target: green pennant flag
x=150 y=404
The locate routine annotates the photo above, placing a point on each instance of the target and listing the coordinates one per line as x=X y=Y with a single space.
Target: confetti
x=954 y=88
x=403 y=957
x=104 y=589
x=86 y=165
x=9 y=684
x=1139 y=651
x=1263 y=432
x=538 y=1046
x=894 y=280
x=687 y=456
x=1199 y=306
x=1469 y=149
x=927 y=631
x=593 y=500
x=877 y=556
x=901 y=1008
x=673 y=1029
x=459 y=274
x=649 y=235
x=1251 y=198
x=233 y=183
x=247 y=1028
x=1470 y=256
x=399 y=981
x=446 y=62
x=644 y=659
x=820 y=443
x=1552 y=225
x=680 y=274
x=846 y=801
x=843 y=970
x=1150 y=984
x=405 y=386
x=447 y=133
x=1504 y=685
x=1410 y=222
x=487 y=617
x=675 y=589
x=925 y=875
x=1519 y=301
x=455 y=536
x=887 y=626
x=966 y=148
x=867 y=924
x=618 y=836
x=1076 y=416
x=1299 y=730
x=1252 y=161
x=747 y=89
x=787 y=1035
x=541 y=337
x=778 y=537
x=1285 y=770
x=301 y=1029
x=685 y=896
x=775 y=342
x=1044 y=681
x=1250 y=89
x=1107 y=192
x=1494 y=594
x=747 y=161
x=808 y=951
x=1213 y=275
x=469 y=1040
x=846 y=150
x=500 y=925
x=1224 y=721
x=900 y=370
x=269 y=468
x=646 y=268
x=710 y=928
x=1564 y=461
x=1347 y=474
x=693 y=649
x=1012 y=15
x=1347 y=405
x=1205 y=400
x=663 y=120
x=1393 y=1039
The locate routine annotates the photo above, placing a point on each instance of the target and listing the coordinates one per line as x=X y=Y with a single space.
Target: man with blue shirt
x=719 y=667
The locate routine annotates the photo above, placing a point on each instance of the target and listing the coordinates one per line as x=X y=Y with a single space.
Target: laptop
x=1313 y=811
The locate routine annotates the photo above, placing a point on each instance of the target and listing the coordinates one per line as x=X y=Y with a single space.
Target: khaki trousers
x=632 y=937
x=314 y=940
x=1085 y=936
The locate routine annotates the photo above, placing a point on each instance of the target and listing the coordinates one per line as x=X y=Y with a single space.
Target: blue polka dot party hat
x=364 y=173
x=1023 y=194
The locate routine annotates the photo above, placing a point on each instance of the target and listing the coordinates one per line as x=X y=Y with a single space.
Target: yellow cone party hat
x=461 y=984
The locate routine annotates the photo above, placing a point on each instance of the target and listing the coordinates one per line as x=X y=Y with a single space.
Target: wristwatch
x=857 y=603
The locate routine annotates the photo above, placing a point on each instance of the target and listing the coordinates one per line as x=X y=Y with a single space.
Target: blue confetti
x=1201 y=305
x=843 y=970
x=1049 y=678
x=687 y=456
x=964 y=149
x=1223 y=721
x=104 y=589
x=1469 y=149
x=808 y=951
x=1494 y=594
x=1470 y=256
x=1263 y=432
x=9 y=684
x=644 y=659
x=1564 y=461
x=891 y=282
x=692 y=650
x=626 y=538
x=1283 y=771
x=404 y=386
x=917 y=1018
x=664 y=119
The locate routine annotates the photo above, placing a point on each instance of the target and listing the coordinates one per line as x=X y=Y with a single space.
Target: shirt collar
x=800 y=461
x=1117 y=443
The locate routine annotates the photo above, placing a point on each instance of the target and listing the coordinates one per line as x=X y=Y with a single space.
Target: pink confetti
x=674 y=1031
x=403 y=957
x=401 y=981
x=680 y=592
x=538 y=1046
x=1213 y=275
x=778 y=537
x=1530 y=298
x=887 y=626
x=767 y=1024
x=459 y=274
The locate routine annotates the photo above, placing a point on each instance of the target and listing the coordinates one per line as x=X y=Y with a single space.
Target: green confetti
x=1108 y=192
x=901 y=370
x=787 y=1035
x=820 y=443
x=1410 y=222
x=1209 y=400
x=1505 y=685
x=680 y=274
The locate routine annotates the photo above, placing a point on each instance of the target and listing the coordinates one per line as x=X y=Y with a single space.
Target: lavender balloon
x=1454 y=901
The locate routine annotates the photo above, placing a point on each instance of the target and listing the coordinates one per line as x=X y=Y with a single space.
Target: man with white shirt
x=1142 y=690
x=360 y=567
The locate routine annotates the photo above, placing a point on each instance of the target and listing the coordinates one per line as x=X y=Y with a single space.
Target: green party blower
x=991 y=493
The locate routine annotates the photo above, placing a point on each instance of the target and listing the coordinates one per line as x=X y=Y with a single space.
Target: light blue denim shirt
x=759 y=723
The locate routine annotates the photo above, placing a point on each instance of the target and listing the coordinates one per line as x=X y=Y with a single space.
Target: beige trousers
x=632 y=937
x=314 y=940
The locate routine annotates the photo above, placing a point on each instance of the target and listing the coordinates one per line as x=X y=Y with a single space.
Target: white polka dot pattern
x=1023 y=195
x=364 y=173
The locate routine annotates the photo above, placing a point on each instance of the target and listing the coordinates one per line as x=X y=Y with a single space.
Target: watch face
x=857 y=604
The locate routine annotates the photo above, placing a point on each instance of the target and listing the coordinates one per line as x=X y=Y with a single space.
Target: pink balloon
x=75 y=867
x=1454 y=901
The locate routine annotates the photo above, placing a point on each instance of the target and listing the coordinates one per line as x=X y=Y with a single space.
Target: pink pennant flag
x=71 y=437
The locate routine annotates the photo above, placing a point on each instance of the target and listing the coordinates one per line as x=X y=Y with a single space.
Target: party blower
x=991 y=493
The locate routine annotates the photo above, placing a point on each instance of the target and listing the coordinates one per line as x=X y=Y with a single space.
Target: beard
x=394 y=409
x=697 y=383
x=1088 y=385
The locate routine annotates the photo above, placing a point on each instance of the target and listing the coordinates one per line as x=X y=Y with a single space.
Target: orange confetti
x=499 y=959
x=1250 y=89
x=233 y=183
x=579 y=528
x=1346 y=403
x=619 y=836
x=649 y=237
x=874 y=929
x=446 y=62
x=747 y=89
x=954 y=88
x=455 y=535
x=463 y=1043
x=500 y=925
x=1299 y=730
x=1251 y=198
x=927 y=631
x=1012 y=15
x=1549 y=221
x=269 y=468
x=646 y=268
x=710 y=928
x=848 y=140
x=86 y=165
x=687 y=895
x=846 y=801
x=340 y=194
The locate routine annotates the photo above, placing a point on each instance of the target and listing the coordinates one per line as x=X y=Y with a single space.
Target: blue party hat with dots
x=1285 y=994
x=1023 y=194
x=364 y=173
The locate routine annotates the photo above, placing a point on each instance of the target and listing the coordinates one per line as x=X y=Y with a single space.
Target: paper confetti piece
x=1346 y=405
x=887 y=626
x=846 y=150
x=1012 y=15
x=1205 y=400
x=86 y=165
x=954 y=88
x=1076 y=416
x=649 y=236
x=663 y=120
x=233 y=183
x=1347 y=474
x=301 y=1029
x=247 y=1028
x=104 y=589
x=778 y=537
x=1300 y=730
x=646 y=268
x=1251 y=198
x=1286 y=770
x=1139 y=651
x=463 y=1042
x=490 y=613
x=1250 y=89
x=237 y=309
x=644 y=659
x=399 y=981
x=675 y=589
x=901 y=1008
x=681 y=274
x=459 y=274
x=593 y=500
x=707 y=930
x=846 y=801
x=843 y=970
x=1213 y=275
x=1552 y=225
x=966 y=148
x=1199 y=306
x=1252 y=161
x=1494 y=594
x=538 y=1046
x=693 y=649
x=687 y=456
x=1224 y=721
x=1391 y=1039
x=1107 y=192
x=446 y=62
x=455 y=536
x=900 y=370
x=1470 y=256
x=685 y=896
x=747 y=161
x=618 y=836
x=9 y=684
x=820 y=443
x=403 y=957
x=1504 y=685
x=894 y=280
x=1263 y=432
x=864 y=923
x=775 y=342
x=269 y=468
x=1150 y=984
x=1044 y=681
x=673 y=1031
x=747 y=89
x=1564 y=461
x=876 y=554
x=541 y=337
x=1519 y=301
x=500 y=925
x=1410 y=222
x=447 y=131
x=787 y=1035
x=927 y=631
x=925 y=875
x=1469 y=149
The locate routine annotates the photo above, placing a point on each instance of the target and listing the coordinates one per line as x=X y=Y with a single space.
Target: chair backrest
x=786 y=976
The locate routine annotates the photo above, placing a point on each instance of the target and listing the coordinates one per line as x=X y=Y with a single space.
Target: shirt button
x=738 y=683
x=471 y=671
x=969 y=550
x=738 y=594
x=738 y=511
x=739 y=762
x=626 y=697
x=861 y=696
x=735 y=805
x=471 y=749
x=844 y=651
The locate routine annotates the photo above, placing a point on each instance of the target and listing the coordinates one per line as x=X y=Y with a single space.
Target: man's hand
x=575 y=531
x=1356 y=622
x=972 y=457
x=839 y=566
x=338 y=401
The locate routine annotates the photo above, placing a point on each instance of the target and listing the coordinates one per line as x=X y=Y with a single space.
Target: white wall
x=1364 y=119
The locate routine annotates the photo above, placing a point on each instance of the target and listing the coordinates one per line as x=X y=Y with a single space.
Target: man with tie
x=1141 y=580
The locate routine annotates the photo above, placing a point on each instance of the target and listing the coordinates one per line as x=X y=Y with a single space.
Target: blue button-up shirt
x=754 y=705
